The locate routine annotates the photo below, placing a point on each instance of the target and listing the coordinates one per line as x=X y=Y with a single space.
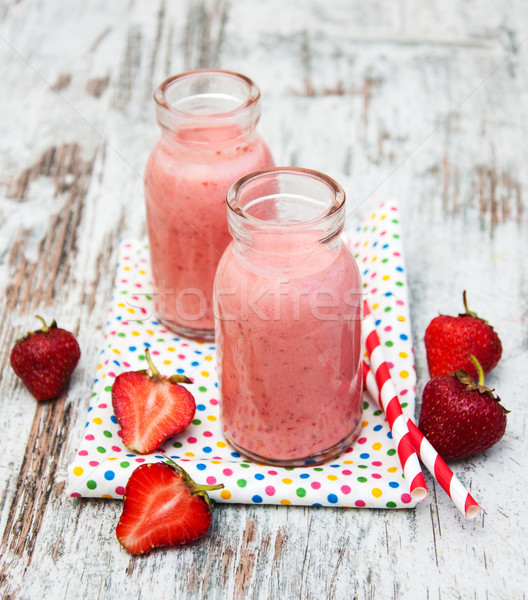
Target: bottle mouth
x=287 y=198
x=204 y=97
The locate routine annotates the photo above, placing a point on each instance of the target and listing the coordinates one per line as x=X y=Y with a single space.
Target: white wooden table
x=424 y=102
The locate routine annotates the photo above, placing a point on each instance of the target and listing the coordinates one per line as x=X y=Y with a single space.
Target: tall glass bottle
x=288 y=320
x=208 y=140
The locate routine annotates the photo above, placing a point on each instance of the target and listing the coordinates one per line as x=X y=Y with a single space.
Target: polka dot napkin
x=367 y=475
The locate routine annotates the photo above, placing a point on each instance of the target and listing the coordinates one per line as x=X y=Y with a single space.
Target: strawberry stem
x=468 y=313
x=464 y=296
x=153 y=370
x=196 y=487
x=479 y=368
x=44 y=326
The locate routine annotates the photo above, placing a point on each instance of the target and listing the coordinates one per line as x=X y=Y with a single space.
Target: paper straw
x=390 y=403
x=431 y=459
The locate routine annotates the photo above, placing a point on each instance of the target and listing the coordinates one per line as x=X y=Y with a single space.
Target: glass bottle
x=288 y=312
x=208 y=140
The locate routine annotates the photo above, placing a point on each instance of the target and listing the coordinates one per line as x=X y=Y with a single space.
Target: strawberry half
x=163 y=506
x=45 y=359
x=450 y=340
x=459 y=417
x=150 y=408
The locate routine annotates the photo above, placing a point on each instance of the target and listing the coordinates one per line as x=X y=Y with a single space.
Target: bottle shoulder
x=322 y=265
x=218 y=162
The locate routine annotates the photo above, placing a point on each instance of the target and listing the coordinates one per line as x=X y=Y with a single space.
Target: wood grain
x=425 y=102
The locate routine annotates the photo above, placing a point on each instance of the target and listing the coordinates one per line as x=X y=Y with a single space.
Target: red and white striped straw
x=390 y=403
x=431 y=459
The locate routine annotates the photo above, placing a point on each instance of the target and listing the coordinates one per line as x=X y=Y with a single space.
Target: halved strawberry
x=150 y=408
x=163 y=506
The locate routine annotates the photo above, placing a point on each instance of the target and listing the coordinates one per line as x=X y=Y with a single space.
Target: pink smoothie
x=289 y=350
x=186 y=182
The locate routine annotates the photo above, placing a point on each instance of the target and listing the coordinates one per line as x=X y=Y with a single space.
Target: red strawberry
x=150 y=408
x=163 y=506
x=459 y=417
x=45 y=359
x=450 y=340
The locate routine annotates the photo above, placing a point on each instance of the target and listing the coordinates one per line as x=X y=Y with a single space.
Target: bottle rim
x=253 y=95
x=333 y=210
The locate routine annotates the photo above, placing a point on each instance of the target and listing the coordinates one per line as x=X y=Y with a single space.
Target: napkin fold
x=368 y=474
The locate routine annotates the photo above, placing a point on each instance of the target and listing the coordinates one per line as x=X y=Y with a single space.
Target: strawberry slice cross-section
x=149 y=408
x=162 y=507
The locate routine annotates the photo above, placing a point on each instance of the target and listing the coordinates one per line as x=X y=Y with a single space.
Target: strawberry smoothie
x=289 y=371
x=288 y=327
x=204 y=147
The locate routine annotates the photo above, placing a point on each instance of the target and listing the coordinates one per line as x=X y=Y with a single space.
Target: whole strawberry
x=163 y=506
x=150 y=408
x=45 y=359
x=450 y=340
x=459 y=417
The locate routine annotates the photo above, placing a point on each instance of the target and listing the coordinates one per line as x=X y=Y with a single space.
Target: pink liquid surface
x=185 y=190
x=289 y=366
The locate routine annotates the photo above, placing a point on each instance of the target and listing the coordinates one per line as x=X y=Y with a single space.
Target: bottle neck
x=285 y=219
x=207 y=108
